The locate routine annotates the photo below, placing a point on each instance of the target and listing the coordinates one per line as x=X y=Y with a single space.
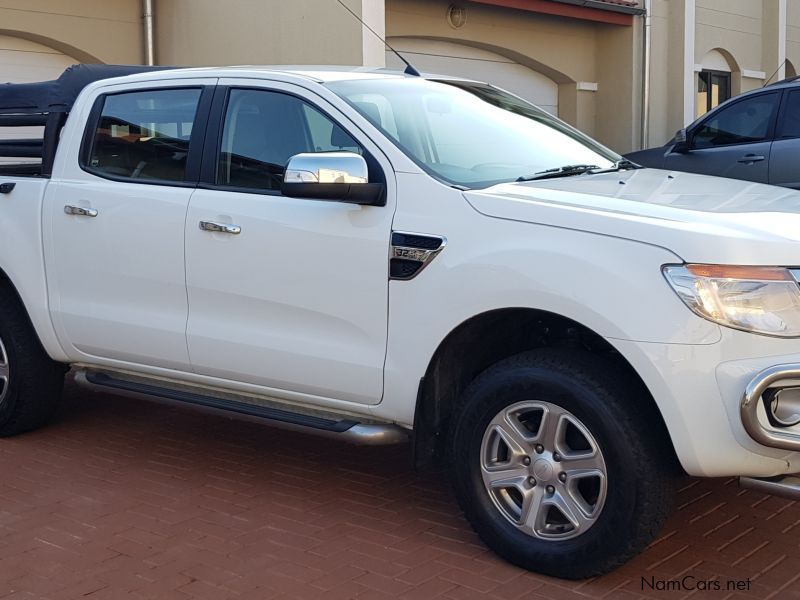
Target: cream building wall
x=593 y=65
x=589 y=73
x=210 y=32
x=85 y=30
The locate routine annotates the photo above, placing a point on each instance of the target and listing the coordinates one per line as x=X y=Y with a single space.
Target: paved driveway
x=131 y=499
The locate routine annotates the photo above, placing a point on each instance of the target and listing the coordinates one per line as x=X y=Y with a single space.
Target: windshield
x=469 y=134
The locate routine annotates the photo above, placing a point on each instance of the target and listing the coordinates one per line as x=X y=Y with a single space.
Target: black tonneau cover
x=58 y=95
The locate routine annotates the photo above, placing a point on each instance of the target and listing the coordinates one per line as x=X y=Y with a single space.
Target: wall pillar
x=681 y=61
x=773 y=39
x=373 y=50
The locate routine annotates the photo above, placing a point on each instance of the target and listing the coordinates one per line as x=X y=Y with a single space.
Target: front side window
x=144 y=135
x=746 y=121
x=264 y=129
x=468 y=134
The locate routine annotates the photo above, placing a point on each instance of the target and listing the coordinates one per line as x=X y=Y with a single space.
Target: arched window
x=713 y=82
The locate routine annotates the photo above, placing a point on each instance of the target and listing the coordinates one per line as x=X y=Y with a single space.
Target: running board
x=370 y=434
x=785 y=486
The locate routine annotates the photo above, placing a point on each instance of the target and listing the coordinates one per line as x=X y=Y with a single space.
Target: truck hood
x=699 y=218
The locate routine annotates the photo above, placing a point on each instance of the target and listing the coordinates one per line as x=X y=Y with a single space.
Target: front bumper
x=699 y=390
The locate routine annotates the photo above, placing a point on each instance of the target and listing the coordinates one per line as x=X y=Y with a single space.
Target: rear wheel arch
x=31 y=381
x=490 y=337
x=9 y=289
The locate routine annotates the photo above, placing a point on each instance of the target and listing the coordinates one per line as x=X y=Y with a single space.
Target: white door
x=295 y=303
x=460 y=60
x=114 y=230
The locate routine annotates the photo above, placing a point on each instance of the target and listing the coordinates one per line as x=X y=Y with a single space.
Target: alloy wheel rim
x=543 y=470
x=4 y=372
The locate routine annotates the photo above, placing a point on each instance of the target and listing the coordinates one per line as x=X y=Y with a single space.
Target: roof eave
x=597 y=4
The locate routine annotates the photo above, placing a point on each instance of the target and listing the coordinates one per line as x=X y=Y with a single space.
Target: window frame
x=196 y=142
x=215 y=130
x=729 y=104
x=712 y=72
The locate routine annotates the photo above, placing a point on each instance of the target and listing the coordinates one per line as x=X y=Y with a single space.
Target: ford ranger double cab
x=377 y=257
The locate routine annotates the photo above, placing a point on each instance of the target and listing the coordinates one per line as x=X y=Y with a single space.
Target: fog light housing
x=783 y=406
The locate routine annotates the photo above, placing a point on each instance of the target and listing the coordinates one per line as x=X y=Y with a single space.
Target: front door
x=293 y=298
x=114 y=227
x=733 y=141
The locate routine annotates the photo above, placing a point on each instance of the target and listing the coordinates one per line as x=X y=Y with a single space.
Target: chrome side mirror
x=341 y=176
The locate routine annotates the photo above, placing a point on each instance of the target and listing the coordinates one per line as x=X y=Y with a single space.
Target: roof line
x=604 y=5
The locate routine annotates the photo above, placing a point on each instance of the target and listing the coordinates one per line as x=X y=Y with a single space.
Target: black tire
x=639 y=463
x=34 y=383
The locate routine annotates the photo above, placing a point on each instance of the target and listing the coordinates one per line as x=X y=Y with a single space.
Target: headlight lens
x=762 y=300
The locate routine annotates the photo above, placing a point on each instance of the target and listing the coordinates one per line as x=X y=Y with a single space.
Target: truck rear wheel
x=30 y=382
x=554 y=466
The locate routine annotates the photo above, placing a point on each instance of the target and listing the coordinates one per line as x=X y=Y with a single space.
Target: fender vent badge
x=412 y=252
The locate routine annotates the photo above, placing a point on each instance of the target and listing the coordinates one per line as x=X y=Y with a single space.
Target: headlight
x=762 y=300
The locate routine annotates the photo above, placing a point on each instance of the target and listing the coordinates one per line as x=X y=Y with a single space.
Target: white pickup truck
x=376 y=256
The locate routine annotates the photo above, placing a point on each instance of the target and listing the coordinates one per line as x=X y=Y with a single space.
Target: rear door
x=784 y=161
x=114 y=224
x=733 y=141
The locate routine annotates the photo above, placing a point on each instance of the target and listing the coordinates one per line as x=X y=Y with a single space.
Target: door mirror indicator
x=339 y=176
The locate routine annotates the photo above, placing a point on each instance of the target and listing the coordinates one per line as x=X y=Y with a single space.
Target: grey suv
x=754 y=136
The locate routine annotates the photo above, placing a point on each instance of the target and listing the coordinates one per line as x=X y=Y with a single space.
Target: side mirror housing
x=681 y=143
x=338 y=176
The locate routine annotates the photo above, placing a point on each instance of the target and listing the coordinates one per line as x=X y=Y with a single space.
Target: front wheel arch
x=490 y=337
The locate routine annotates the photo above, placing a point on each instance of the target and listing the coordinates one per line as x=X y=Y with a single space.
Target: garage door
x=22 y=61
x=448 y=58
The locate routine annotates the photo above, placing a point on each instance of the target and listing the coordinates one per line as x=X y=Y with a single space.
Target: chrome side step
x=371 y=434
x=785 y=486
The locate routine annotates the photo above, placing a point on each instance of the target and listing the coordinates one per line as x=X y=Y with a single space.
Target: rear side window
x=790 y=119
x=748 y=120
x=144 y=135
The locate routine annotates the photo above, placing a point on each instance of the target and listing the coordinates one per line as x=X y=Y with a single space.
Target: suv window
x=263 y=129
x=746 y=121
x=144 y=135
x=789 y=126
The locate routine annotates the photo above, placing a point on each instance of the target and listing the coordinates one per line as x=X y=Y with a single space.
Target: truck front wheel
x=30 y=382
x=555 y=465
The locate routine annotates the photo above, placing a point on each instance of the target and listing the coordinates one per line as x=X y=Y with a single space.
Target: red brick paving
x=122 y=498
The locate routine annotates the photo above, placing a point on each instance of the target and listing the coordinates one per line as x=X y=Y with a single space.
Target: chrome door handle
x=80 y=211
x=751 y=158
x=220 y=227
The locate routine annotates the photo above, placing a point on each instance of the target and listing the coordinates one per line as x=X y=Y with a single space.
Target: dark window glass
x=745 y=121
x=145 y=135
x=713 y=88
x=264 y=129
x=790 y=120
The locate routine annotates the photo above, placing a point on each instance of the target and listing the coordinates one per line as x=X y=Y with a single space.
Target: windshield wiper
x=568 y=170
x=564 y=171
x=621 y=165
